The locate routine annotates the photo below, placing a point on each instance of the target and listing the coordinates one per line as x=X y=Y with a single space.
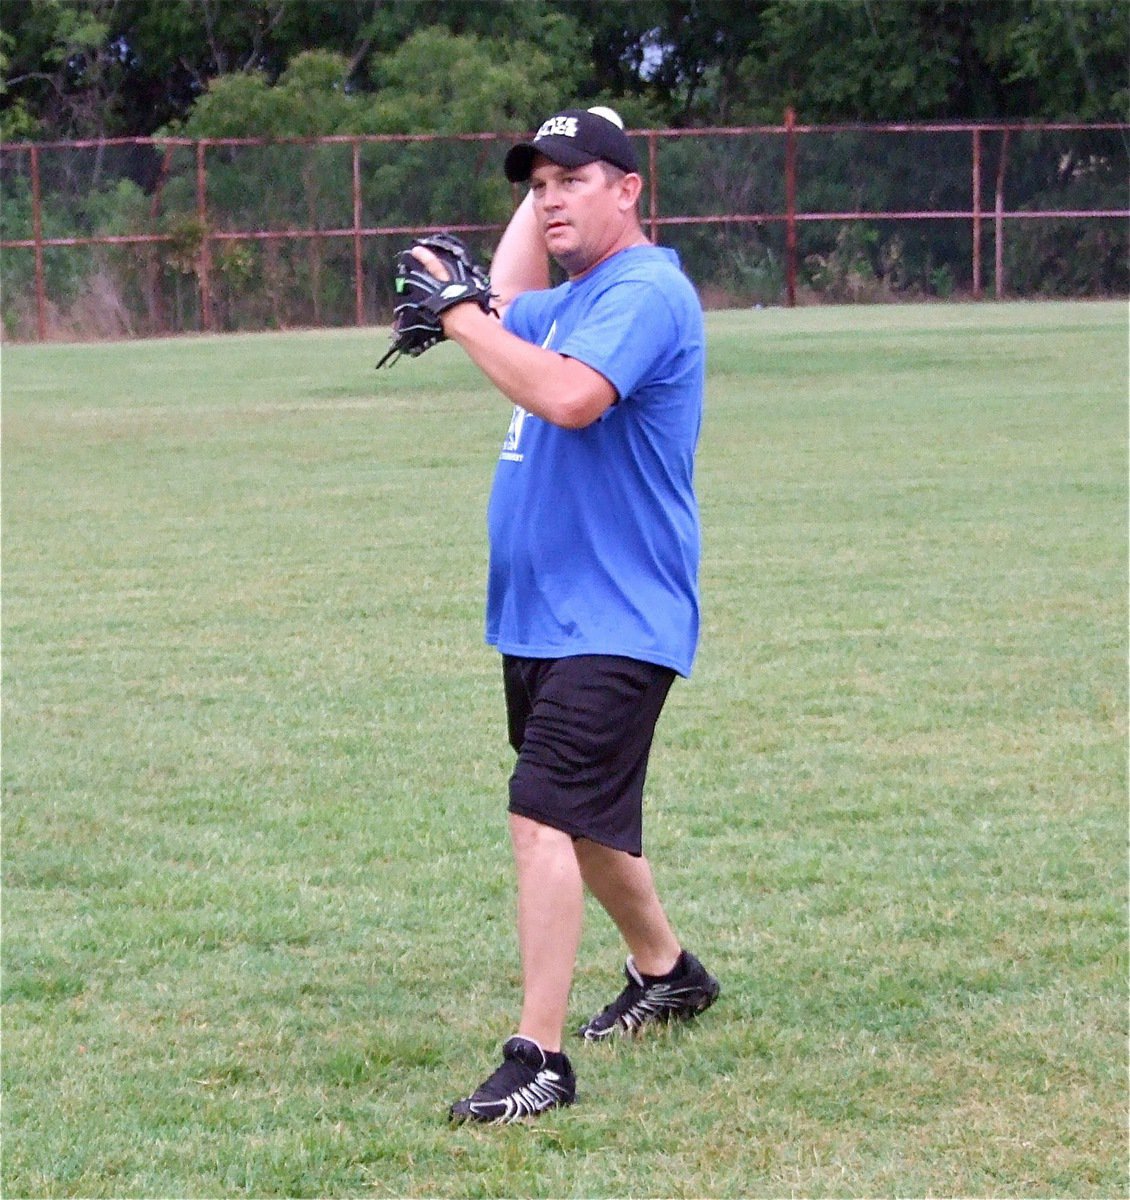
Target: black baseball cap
x=573 y=138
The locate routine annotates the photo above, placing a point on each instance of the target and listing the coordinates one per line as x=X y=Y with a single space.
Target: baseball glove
x=422 y=298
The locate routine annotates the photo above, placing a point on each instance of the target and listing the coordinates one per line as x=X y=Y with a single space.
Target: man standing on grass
x=593 y=583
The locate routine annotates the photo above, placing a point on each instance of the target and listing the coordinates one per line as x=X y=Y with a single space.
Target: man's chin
x=568 y=259
x=559 y=240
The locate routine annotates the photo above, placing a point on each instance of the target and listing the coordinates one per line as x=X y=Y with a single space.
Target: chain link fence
x=144 y=237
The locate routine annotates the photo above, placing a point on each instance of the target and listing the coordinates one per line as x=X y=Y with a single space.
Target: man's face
x=583 y=216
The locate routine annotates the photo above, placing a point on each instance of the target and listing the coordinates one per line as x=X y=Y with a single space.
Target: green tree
x=937 y=59
x=101 y=67
x=310 y=99
x=442 y=83
x=98 y=67
x=60 y=68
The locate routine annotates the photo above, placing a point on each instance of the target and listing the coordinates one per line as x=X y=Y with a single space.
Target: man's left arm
x=560 y=390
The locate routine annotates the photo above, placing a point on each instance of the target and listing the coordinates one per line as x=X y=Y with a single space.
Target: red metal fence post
x=977 y=214
x=790 y=207
x=358 y=284
x=37 y=234
x=998 y=249
x=204 y=269
x=653 y=187
x=156 y=298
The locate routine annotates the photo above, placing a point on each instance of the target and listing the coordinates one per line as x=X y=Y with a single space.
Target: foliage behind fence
x=149 y=236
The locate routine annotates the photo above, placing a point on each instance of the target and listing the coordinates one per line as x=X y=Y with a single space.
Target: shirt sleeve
x=627 y=335
x=518 y=318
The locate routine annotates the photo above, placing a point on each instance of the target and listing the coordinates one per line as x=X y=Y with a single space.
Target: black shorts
x=583 y=728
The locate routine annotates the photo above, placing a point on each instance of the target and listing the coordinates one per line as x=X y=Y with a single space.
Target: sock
x=556 y=1061
x=678 y=969
x=553 y=1058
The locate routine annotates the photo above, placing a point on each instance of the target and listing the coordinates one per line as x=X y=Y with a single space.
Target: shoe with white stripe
x=689 y=990
x=528 y=1082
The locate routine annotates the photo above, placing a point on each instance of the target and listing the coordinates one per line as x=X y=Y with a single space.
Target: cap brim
x=519 y=162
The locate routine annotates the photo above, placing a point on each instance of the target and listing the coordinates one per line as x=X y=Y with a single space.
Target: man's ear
x=631 y=186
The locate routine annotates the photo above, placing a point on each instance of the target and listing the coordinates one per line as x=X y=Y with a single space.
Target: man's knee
x=531 y=838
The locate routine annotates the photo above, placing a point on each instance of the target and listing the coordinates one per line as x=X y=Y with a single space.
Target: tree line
x=115 y=68
x=98 y=69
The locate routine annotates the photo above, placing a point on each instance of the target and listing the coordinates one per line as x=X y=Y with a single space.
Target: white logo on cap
x=558 y=127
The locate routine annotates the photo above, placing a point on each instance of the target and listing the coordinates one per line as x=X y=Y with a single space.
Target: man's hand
x=432 y=264
x=432 y=276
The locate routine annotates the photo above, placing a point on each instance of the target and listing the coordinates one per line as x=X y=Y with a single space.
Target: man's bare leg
x=625 y=889
x=550 y=914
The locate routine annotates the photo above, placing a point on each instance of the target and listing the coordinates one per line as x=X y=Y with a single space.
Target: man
x=592 y=591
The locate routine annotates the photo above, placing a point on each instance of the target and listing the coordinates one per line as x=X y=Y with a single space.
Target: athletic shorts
x=582 y=728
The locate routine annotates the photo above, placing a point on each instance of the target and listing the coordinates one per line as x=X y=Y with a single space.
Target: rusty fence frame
x=791 y=217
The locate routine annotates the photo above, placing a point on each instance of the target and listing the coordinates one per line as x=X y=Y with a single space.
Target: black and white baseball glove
x=422 y=298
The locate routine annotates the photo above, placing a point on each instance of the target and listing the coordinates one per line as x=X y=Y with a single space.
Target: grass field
x=257 y=905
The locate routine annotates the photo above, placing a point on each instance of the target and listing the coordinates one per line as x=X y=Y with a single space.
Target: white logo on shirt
x=514 y=435
x=510 y=452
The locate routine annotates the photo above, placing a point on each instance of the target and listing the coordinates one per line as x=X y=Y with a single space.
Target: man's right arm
x=520 y=262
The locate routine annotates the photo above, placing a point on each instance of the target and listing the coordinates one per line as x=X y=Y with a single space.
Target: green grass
x=257 y=893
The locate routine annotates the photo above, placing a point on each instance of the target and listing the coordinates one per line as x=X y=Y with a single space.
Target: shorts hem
x=554 y=822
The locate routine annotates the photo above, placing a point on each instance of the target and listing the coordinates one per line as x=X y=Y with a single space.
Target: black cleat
x=528 y=1082
x=692 y=991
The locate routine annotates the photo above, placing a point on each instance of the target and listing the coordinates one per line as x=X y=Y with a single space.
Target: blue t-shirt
x=594 y=533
